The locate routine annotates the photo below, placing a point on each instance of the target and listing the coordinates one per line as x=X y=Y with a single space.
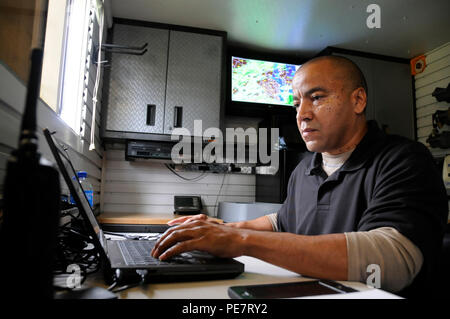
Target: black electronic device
x=31 y=207
x=441 y=118
x=288 y=290
x=438 y=137
x=145 y=150
x=439 y=140
x=187 y=205
x=442 y=94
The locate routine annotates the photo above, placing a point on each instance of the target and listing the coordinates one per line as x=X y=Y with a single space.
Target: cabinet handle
x=151 y=114
x=178 y=116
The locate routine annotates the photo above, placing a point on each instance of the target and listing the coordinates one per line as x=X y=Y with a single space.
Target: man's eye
x=316 y=97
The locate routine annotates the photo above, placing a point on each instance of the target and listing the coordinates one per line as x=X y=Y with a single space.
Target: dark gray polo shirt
x=388 y=181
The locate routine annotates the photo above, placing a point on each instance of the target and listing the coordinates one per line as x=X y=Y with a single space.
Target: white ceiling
x=305 y=27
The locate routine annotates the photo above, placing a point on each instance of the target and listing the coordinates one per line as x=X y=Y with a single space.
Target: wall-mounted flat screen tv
x=262 y=82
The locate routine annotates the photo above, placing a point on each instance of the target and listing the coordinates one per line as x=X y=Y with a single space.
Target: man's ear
x=359 y=99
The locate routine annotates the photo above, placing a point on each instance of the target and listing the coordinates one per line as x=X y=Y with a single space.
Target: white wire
x=97 y=77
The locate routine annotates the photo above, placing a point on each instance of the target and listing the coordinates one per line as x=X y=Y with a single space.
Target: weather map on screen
x=264 y=82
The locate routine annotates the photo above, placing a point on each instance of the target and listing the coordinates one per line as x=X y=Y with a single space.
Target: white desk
x=256 y=272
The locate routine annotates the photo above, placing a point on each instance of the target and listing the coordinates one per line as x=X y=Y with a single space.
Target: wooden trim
x=138 y=219
x=134 y=218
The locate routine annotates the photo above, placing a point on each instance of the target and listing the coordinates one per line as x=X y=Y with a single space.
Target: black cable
x=72 y=247
x=125 y=287
x=217 y=198
x=186 y=179
x=141 y=272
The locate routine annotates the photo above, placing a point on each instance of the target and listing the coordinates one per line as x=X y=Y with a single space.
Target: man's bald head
x=345 y=69
x=330 y=99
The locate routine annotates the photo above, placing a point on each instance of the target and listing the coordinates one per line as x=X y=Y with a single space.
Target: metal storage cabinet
x=182 y=71
x=194 y=80
x=137 y=81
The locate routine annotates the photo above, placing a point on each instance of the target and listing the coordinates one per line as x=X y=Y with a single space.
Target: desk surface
x=135 y=218
x=256 y=272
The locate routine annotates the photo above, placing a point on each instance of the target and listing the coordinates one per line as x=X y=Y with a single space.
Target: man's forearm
x=260 y=223
x=323 y=256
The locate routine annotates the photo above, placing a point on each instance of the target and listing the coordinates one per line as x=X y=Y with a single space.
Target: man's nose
x=304 y=112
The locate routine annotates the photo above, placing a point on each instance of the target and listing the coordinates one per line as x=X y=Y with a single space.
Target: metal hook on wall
x=117 y=48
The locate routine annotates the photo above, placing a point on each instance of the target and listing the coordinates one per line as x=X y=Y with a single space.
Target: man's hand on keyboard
x=199 y=233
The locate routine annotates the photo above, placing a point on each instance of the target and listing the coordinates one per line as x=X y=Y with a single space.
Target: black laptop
x=127 y=261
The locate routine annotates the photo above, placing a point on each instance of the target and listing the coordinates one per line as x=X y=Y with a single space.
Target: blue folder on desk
x=128 y=261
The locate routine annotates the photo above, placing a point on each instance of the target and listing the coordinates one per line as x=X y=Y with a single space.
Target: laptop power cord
x=142 y=274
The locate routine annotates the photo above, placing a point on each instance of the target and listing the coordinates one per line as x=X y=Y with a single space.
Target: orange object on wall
x=418 y=64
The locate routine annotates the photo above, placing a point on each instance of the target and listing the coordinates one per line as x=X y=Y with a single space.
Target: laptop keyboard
x=137 y=253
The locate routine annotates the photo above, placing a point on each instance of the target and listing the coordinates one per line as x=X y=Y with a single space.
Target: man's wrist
x=236 y=224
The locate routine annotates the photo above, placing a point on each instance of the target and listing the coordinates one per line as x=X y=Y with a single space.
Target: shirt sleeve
x=409 y=195
x=396 y=257
x=273 y=220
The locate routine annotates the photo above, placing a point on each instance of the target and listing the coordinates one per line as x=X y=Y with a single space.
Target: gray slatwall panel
x=147 y=187
x=9 y=126
x=163 y=199
x=424 y=121
x=161 y=174
x=431 y=108
x=178 y=188
x=436 y=74
x=438 y=53
x=437 y=79
x=430 y=79
x=425 y=101
x=150 y=209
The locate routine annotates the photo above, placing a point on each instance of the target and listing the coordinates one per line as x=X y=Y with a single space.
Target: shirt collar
x=362 y=152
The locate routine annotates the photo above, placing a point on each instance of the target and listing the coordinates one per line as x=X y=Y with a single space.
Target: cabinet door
x=394 y=102
x=193 y=81
x=390 y=97
x=136 y=90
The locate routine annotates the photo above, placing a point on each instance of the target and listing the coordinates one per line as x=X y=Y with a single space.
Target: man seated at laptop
x=361 y=198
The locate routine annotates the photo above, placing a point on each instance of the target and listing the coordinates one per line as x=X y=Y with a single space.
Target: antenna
x=28 y=137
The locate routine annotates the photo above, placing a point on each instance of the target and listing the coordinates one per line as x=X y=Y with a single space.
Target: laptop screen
x=70 y=176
